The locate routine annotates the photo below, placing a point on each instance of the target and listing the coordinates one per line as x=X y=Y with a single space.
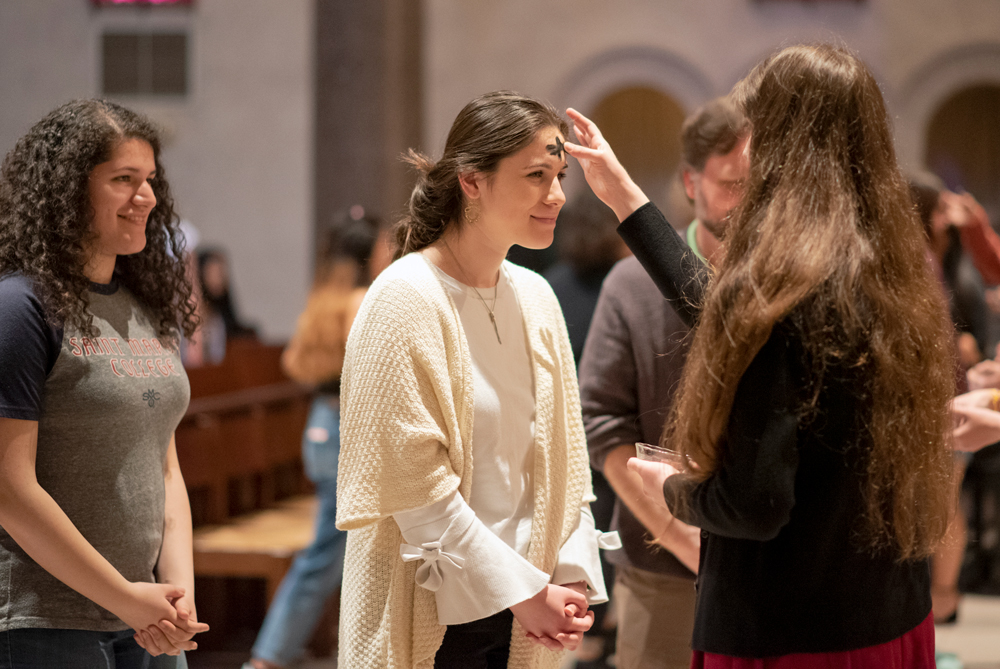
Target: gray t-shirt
x=106 y=412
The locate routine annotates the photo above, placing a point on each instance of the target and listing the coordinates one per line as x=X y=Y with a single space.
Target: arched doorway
x=963 y=144
x=644 y=126
x=600 y=78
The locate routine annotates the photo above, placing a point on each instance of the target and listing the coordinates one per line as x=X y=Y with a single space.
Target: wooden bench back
x=239 y=444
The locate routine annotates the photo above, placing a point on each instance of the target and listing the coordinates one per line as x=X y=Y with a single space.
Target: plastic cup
x=652 y=453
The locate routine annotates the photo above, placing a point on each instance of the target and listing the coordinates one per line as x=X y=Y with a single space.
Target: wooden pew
x=254 y=364
x=239 y=446
x=237 y=442
x=202 y=464
x=257 y=545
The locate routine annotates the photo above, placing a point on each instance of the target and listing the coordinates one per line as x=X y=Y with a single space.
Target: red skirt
x=913 y=650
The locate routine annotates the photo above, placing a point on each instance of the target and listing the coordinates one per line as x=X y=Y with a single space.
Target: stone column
x=368 y=104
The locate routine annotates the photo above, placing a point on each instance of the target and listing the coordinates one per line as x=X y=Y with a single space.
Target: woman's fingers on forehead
x=585 y=135
x=580 y=119
x=580 y=151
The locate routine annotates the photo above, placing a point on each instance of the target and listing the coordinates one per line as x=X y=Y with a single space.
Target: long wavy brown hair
x=46 y=215
x=827 y=237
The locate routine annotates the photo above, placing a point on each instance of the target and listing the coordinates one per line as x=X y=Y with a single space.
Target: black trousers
x=481 y=644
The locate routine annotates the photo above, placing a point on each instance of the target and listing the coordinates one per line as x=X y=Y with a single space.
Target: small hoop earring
x=471 y=212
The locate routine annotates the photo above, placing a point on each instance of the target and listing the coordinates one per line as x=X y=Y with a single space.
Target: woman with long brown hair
x=814 y=407
x=464 y=481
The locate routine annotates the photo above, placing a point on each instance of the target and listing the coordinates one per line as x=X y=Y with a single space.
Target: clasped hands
x=163 y=617
x=557 y=616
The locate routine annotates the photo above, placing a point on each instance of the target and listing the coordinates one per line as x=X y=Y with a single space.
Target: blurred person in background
x=944 y=215
x=982 y=244
x=588 y=249
x=207 y=346
x=979 y=240
x=218 y=304
x=95 y=545
x=315 y=356
x=628 y=376
x=714 y=171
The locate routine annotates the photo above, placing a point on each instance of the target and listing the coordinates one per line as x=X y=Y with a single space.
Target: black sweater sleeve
x=675 y=269
x=751 y=494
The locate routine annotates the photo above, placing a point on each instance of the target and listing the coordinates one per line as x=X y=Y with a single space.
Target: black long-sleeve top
x=783 y=567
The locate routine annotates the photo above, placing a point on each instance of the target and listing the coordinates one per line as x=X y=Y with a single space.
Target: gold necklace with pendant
x=496 y=292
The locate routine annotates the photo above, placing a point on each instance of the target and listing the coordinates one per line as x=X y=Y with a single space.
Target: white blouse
x=473 y=551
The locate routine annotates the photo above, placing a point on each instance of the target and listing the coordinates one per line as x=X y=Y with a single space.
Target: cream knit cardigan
x=406 y=430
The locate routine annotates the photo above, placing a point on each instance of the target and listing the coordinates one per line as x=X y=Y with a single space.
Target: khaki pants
x=655 y=619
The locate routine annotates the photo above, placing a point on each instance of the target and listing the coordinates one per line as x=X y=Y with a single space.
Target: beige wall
x=238 y=148
x=573 y=52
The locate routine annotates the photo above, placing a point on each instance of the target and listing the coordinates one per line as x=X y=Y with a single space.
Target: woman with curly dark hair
x=813 y=410
x=95 y=527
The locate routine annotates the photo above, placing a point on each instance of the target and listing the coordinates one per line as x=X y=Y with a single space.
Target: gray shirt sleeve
x=29 y=346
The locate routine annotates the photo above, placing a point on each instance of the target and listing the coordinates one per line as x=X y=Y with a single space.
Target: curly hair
x=827 y=239
x=46 y=216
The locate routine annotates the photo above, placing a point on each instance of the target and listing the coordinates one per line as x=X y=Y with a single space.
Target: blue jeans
x=317 y=570
x=38 y=648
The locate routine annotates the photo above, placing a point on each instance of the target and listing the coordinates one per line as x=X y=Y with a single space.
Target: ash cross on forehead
x=556 y=149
